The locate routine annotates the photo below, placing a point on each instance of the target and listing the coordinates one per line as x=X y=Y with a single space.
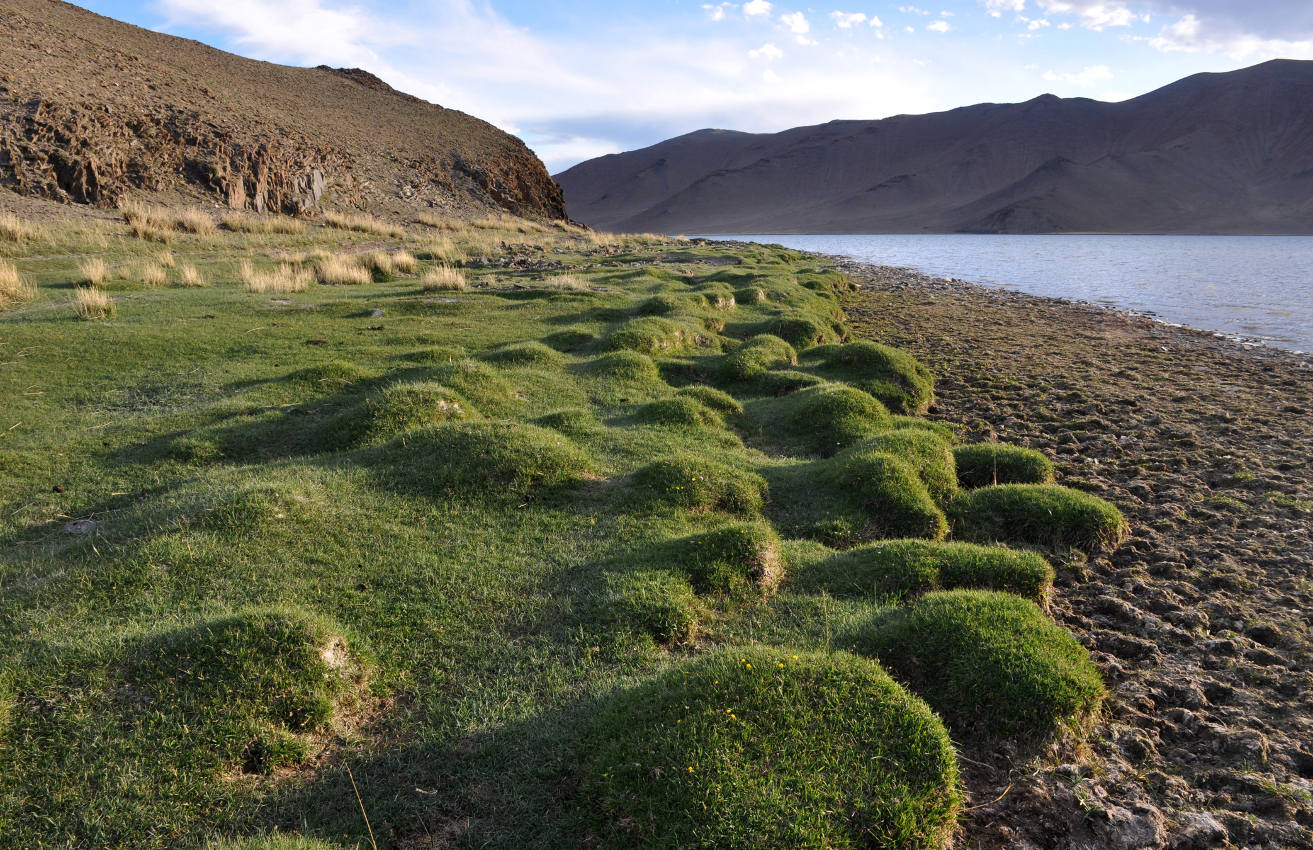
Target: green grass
x=991 y=663
x=1037 y=514
x=755 y=357
x=987 y=464
x=895 y=377
x=762 y=747
x=430 y=544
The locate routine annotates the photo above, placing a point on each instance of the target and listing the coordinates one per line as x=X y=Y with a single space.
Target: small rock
x=1198 y=831
x=79 y=526
x=377 y=314
x=1141 y=827
x=60 y=488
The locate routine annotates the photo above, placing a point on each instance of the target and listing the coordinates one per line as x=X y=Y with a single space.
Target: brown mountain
x=92 y=109
x=1213 y=153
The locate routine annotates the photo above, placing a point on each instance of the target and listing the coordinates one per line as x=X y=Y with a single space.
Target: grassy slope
x=195 y=429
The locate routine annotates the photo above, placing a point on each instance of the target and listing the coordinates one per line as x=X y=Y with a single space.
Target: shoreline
x=1199 y=622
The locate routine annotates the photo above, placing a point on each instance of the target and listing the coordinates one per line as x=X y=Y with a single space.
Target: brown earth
x=92 y=109
x=1201 y=622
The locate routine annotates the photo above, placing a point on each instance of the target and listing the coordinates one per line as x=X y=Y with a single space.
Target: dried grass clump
x=444 y=278
x=153 y=276
x=265 y=224
x=154 y=223
x=92 y=271
x=509 y=223
x=566 y=281
x=13 y=289
x=380 y=263
x=363 y=223
x=194 y=220
x=190 y=277
x=285 y=278
x=91 y=304
x=439 y=223
x=442 y=250
x=15 y=229
x=404 y=262
x=342 y=270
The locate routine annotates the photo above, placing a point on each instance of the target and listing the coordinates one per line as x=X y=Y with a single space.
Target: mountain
x=92 y=109
x=1213 y=153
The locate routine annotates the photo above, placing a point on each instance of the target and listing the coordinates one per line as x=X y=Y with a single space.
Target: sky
x=576 y=80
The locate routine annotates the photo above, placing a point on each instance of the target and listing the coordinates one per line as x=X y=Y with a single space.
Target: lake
x=1254 y=288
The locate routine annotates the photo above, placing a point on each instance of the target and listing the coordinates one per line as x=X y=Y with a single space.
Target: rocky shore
x=1201 y=622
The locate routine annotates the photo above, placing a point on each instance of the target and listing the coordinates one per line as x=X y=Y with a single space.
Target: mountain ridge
x=1214 y=152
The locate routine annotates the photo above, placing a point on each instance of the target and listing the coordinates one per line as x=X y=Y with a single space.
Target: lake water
x=1256 y=288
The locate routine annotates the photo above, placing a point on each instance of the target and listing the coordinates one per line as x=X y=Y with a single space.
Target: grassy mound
x=925 y=451
x=274 y=842
x=986 y=464
x=893 y=376
x=896 y=500
x=678 y=412
x=573 y=422
x=785 y=381
x=655 y=335
x=768 y=748
x=438 y=354
x=755 y=357
x=692 y=483
x=903 y=568
x=718 y=400
x=412 y=404
x=992 y=664
x=623 y=376
x=805 y=330
x=727 y=559
x=478 y=383
x=658 y=603
x=829 y=417
x=668 y=304
x=1038 y=514
x=330 y=377
x=491 y=458
x=530 y=353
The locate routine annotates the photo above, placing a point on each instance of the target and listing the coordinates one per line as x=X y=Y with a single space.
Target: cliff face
x=92 y=109
x=1224 y=153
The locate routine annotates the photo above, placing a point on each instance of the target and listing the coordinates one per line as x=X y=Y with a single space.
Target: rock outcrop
x=92 y=109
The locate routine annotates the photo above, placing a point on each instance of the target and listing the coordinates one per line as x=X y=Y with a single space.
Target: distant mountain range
x=1213 y=153
x=93 y=110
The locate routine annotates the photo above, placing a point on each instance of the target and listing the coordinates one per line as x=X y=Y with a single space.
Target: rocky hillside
x=1220 y=153
x=92 y=109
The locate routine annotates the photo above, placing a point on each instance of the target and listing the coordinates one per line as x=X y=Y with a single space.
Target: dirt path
x=1202 y=622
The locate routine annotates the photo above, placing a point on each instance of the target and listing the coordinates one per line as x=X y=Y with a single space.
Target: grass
x=766 y=747
x=341 y=270
x=14 y=289
x=190 y=276
x=263 y=224
x=363 y=223
x=15 y=229
x=1038 y=514
x=444 y=278
x=991 y=663
x=987 y=464
x=441 y=544
x=92 y=271
x=91 y=304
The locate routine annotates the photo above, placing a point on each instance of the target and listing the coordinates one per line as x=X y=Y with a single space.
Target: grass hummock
x=987 y=464
x=1037 y=514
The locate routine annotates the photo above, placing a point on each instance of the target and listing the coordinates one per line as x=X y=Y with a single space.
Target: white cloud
x=1095 y=14
x=996 y=8
x=1189 y=35
x=756 y=8
x=1038 y=23
x=876 y=22
x=912 y=10
x=1086 y=78
x=848 y=20
x=767 y=51
x=796 y=23
x=717 y=13
x=939 y=26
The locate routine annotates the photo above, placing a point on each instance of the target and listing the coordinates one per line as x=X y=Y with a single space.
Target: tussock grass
x=363 y=223
x=15 y=229
x=655 y=335
x=91 y=304
x=718 y=400
x=285 y=278
x=755 y=357
x=166 y=259
x=190 y=276
x=895 y=499
x=893 y=376
x=413 y=404
x=441 y=250
x=1037 y=514
x=759 y=747
x=153 y=223
x=262 y=224
x=829 y=417
x=444 y=279
x=92 y=271
x=530 y=353
x=728 y=559
x=992 y=664
x=152 y=276
x=679 y=412
x=987 y=464
x=404 y=262
x=14 y=289
x=342 y=270
x=688 y=482
x=567 y=281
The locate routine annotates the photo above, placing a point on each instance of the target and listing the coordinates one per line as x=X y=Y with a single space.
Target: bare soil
x=1201 y=622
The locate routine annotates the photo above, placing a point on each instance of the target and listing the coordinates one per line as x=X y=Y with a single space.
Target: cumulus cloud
x=847 y=20
x=756 y=8
x=996 y=8
x=767 y=51
x=1086 y=78
x=717 y=13
x=940 y=26
x=1190 y=35
x=1095 y=14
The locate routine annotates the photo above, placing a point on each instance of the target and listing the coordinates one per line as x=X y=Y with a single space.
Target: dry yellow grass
x=153 y=223
x=444 y=278
x=284 y=278
x=439 y=223
x=190 y=277
x=15 y=229
x=166 y=259
x=194 y=220
x=442 y=249
x=244 y=223
x=379 y=262
x=90 y=304
x=342 y=270
x=566 y=281
x=13 y=288
x=153 y=276
x=92 y=271
x=404 y=262
x=363 y=223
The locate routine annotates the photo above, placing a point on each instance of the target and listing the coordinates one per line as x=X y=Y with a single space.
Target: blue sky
x=580 y=79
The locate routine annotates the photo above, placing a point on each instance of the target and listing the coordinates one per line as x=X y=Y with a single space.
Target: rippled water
x=1257 y=288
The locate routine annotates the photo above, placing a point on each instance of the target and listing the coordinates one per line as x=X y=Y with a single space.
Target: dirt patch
x=1201 y=621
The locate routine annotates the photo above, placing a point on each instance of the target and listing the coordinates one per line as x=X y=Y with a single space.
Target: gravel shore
x=1202 y=621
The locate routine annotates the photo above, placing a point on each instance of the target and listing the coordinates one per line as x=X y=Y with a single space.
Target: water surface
x=1257 y=288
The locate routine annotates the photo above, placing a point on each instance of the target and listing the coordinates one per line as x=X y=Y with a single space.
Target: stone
x=1140 y=827
x=1198 y=831
x=79 y=527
